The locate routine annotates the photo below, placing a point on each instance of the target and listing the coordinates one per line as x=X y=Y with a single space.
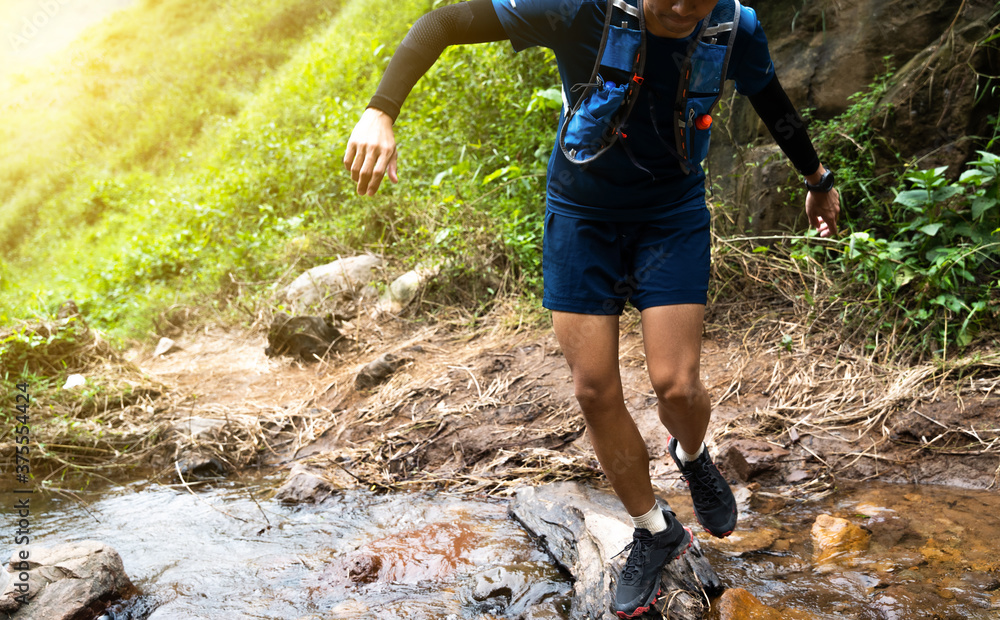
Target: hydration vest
x=594 y=123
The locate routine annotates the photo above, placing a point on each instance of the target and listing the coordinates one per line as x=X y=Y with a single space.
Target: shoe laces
x=706 y=480
x=636 y=558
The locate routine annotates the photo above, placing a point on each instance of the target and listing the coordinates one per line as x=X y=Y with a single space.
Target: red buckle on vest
x=637 y=79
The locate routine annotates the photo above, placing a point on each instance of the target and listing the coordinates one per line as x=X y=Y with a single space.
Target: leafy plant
x=942 y=266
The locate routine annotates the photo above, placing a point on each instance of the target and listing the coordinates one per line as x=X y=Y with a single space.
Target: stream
x=228 y=552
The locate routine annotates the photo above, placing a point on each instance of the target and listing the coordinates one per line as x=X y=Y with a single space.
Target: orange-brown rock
x=837 y=539
x=741 y=542
x=738 y=604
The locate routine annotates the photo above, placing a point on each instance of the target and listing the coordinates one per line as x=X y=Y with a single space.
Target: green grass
x=208 y=151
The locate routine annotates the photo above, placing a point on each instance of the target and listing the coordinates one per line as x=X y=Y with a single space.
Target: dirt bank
x=479 y=409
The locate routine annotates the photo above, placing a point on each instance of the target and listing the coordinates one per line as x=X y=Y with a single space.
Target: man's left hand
x=823 y=209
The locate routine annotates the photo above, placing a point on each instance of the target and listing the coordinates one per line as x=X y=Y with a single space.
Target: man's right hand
x=371 y=151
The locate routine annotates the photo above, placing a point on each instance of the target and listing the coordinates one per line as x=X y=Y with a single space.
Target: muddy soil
x=468 y=402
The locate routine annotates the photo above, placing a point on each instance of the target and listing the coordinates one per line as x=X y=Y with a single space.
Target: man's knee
x=679 y=391
x=596 y=395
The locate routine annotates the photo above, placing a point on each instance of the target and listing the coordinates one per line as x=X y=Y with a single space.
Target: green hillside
x=190 y=154
x=186 y=151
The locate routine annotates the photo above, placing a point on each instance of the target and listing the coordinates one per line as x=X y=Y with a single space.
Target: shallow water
x=934 y=553
x=225 y=554
x=231 y=553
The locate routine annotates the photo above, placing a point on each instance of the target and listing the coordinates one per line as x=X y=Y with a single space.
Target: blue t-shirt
x=613 y=188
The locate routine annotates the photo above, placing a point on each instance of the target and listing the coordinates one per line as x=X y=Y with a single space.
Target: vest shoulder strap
x=722 y=23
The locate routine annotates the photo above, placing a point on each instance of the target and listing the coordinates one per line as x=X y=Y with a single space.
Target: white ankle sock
x=652 y=520
x=685 y=457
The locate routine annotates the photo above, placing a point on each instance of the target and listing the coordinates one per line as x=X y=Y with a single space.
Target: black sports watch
x=825 y=183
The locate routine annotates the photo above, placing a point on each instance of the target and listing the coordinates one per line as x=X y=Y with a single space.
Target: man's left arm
x=789 y=131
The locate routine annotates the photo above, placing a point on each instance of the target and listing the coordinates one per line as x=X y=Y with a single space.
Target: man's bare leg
x=590 y=344
x=671 y=336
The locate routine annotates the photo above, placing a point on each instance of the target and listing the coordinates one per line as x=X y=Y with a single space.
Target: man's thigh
x=590 y=344
x=671 y=336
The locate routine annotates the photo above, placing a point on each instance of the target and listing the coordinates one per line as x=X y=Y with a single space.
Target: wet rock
x=192 y=457
x=333 y=282
x=379 y=370
x=798 y=475
x=548 y=611
x=307 y=486
x=496 y=583
x=517 y=591
x=738 y=604
x=65 y=582
x=364 y=567
x=836 y=539
x=887 y=526
x=351 y=608
x=982 y=581
x=936 y=552
x=307 y=337
x=583 y=528
x=201 y=464
x=767 y=503
x=903 y=602
x=742 y=542
x=746 y=458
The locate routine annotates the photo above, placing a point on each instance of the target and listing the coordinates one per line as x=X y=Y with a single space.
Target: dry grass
x=825 y=381
x=829 y=379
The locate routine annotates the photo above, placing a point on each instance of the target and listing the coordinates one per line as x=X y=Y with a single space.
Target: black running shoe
x=714 y=504
x=639 y=581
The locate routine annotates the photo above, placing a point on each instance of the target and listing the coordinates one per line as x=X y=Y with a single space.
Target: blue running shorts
x=596 y=267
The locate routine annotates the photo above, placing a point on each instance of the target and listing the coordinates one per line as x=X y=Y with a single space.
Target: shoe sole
x=641 y=610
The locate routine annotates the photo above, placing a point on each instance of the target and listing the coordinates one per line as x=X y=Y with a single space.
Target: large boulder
x=334 y=282
x=823 y=53
x=583 y=529
x=72 y=581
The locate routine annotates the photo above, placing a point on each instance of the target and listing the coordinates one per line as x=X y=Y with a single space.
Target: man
x=629 y=226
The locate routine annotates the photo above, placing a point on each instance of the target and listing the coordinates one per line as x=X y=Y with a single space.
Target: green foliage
x=938 y=274
x=849 y=144
x=920 y=256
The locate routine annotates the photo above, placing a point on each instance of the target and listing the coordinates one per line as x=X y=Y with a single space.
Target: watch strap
x=825 y=183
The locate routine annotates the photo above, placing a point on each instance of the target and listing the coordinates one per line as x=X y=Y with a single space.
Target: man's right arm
x=371 y=150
